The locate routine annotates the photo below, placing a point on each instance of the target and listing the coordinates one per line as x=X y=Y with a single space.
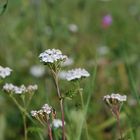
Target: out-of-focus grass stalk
x=108 y=123
x=87 y=103
x=130 y=75
x=83 y=106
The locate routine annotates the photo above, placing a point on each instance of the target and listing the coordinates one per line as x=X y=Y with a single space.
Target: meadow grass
x=111 y=56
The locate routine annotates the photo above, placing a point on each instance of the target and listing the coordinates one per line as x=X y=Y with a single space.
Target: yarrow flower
x=57 y=123
x=37 y=71
x=31 y=88
x=73 y=28
x=4 y=72
x=43 y=114
x=68 y=62
x=114 y=99
x=47 y=109
x=34 y=113
x=114 y=102
x=51 y=56
x=62 y=74
x=75 y=74
x=10 y=88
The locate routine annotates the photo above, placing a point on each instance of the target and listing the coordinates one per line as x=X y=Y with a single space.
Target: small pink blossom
x=106 y=21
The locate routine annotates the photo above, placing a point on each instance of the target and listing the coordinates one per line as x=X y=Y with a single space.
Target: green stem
x=25 y=126
x=119 y=127
x=82 y=102
x=55 y=75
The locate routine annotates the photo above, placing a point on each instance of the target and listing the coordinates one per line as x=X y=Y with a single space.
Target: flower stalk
x=55 y=76
x=114 y=102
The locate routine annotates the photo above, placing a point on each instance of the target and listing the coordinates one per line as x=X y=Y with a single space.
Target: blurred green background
x=28 y=27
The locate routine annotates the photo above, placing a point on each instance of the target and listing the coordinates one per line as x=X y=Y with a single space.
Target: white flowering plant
x=22 y=101
x=114 y=102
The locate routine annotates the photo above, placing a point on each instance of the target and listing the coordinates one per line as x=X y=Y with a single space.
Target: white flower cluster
x=116 y=97
x=68 y=62
x=45 y=110
x=4 y=72
x=37 y=71
x=57 y=123
x=62 y=74
x=73 y=28
x=10 y=88
x=76 y=74
x=51 y=56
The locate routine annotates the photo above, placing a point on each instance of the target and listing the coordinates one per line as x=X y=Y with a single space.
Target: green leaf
x=3 y=7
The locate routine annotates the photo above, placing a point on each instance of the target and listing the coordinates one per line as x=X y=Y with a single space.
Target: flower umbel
x=42 y=114
x=76 y=74
x=115 y=101
x=10 y=88
x=57 y=123
x=4 y=72
x=51 y=56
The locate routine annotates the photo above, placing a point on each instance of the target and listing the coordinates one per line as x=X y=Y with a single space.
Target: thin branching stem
x=25 y=125
x=49 y=130
x=119 y=127
x=55 y=76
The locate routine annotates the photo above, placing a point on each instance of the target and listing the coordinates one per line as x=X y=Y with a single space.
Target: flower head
x=73 y=28
x=114 y=102
x=106 y=21
x=75 y=74
x=10 y=88
x=57 y=123
x=62 y=74
x=51 y=56
x=37 y=71
x=43 y=114
x=114 y=99
x=47 y=109
x=32 y=88
x=68 y=62
x=34 y=113
x=4 y=72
